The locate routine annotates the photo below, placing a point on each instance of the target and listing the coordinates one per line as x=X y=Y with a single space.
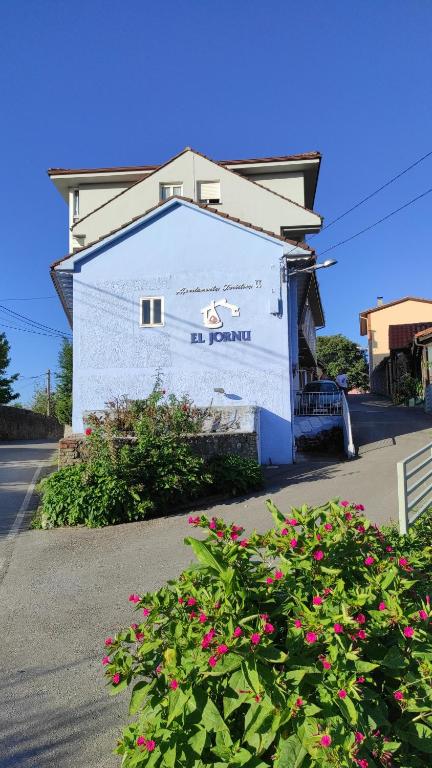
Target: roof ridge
x=203 y=206
x=396 y=301
x=200 y=154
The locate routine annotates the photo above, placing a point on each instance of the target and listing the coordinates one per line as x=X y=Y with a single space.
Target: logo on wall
x=211 y=317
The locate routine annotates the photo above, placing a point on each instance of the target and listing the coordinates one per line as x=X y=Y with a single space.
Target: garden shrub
x=89 y=495
x=234 y=474
x=307 y=646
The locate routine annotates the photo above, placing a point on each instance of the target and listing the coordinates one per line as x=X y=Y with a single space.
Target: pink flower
x=382 y=606
x=348 y=516
x=360 y=679
x=150 y=745
x=221 y=649
x=140 y=741
x=369 y=560
x=297 y=623
x=106 y=660
x=338 y=628
x=299 y=702
x=146 y=612
x=311 y=637
x=328 y=527
x=359 y=737
x=325 y=741
x=318 y=555
x=361 y=634
x=269 y=580
x=212 y=524
x=344 y=503
x=317 y=600
x=327 y=591
x=293 y=543
x=359 y=507
x=319 y=537
x=191 y=601
x=278 y=575
x=88 y=431
x=116 y=678
x=219 y=534
x=243 y=543
x=408 y=632
x=134 y=598
x=284 y=532
x=398 y=695
x=389 y=549
x=202 y=618
x=139 y=636
x=173 y=685
x=180 y=601
x=292 y=521
x=194 y=520
x=423 y=615
x=255 y=638
x=192 y=615
x=362 y=763
x=326 y=664
x=427 y=600
x=361 y=529
x=233 y=535
x=361 y=618
x=342 y=693
x=109 y=641
x=134 y=626
x=212 y=661
x=403 y=561
x=268 y=628
x=238 y=632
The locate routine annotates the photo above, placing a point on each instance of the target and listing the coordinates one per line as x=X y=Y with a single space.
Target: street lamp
x=327 y=263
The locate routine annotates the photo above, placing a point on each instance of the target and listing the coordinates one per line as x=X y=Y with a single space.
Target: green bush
x=91 y=496
x=307 y=646
x=418 y=537
x=234 y=475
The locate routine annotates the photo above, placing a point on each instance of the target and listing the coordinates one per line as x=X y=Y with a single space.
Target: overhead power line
x=30 y=321
x=29 y=298
x=375 y=192
x=375 y=224
x=29 y=330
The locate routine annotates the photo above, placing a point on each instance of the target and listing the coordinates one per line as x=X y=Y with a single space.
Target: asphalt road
x=64 y=591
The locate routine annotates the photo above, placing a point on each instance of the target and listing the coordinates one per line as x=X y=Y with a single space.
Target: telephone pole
x=48 y=389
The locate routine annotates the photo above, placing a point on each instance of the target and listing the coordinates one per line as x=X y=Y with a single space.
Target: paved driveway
x=65 y=590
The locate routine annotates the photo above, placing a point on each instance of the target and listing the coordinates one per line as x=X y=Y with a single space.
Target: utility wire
x=371 y=226
x=29 y=330
x=29 y=320
x=30 y=298
x=375 y=192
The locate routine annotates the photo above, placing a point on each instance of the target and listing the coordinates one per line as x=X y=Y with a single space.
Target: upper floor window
x=151 y=311
x=76 y=203
x=209 y=191
x=168 y=190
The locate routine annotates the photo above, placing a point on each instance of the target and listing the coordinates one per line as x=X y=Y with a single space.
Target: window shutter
x=210 y=190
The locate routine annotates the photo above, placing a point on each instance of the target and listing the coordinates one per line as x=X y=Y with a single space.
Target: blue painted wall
x=186 y=247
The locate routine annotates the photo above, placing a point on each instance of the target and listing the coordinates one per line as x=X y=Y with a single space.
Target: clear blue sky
x=104 y=82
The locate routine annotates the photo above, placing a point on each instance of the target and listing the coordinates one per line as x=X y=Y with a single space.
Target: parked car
x=319 y=397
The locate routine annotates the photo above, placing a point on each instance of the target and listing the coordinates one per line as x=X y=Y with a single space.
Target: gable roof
x=156 y=169
x=168 y=203
x=126 y=168
x=424 y=334
x=364 y=315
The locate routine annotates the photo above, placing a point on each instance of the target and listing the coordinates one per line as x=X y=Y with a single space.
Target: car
x=319 y=397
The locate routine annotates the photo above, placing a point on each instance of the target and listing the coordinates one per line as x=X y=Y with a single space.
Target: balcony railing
x=318 y=403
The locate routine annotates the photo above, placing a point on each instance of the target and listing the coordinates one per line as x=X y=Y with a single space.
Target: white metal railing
x=318 y=403
x=347 y=429
x=411 y=506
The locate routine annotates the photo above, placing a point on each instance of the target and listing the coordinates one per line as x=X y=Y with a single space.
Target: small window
x=168 y=190
x=209 y=191
x=76 y=204
x=152 y=311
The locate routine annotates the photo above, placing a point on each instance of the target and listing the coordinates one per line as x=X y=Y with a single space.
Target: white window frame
x=151 y=299
x=170 y=185
x=75 y=204
x=205 y=199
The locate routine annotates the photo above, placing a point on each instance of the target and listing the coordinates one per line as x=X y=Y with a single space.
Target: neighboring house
x=405 y=316
x=422 y=349
x=183 y=270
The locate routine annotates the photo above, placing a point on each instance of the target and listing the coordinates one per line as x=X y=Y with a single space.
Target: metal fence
x=416 y=497
x=318 y=403
x=347 y=429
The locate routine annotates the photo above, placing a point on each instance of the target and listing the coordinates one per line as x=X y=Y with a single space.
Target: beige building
x=377 y=323
x=275 y=193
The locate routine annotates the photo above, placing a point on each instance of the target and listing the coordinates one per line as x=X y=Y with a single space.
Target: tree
x=39 y=403
x=6 y=394
x=63 y=399
x=338 y=353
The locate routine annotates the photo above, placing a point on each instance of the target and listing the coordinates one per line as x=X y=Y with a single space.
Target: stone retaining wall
x=22 y=424
x=205 y=444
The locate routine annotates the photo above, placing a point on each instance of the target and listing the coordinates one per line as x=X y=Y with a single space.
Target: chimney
x=379 y=301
